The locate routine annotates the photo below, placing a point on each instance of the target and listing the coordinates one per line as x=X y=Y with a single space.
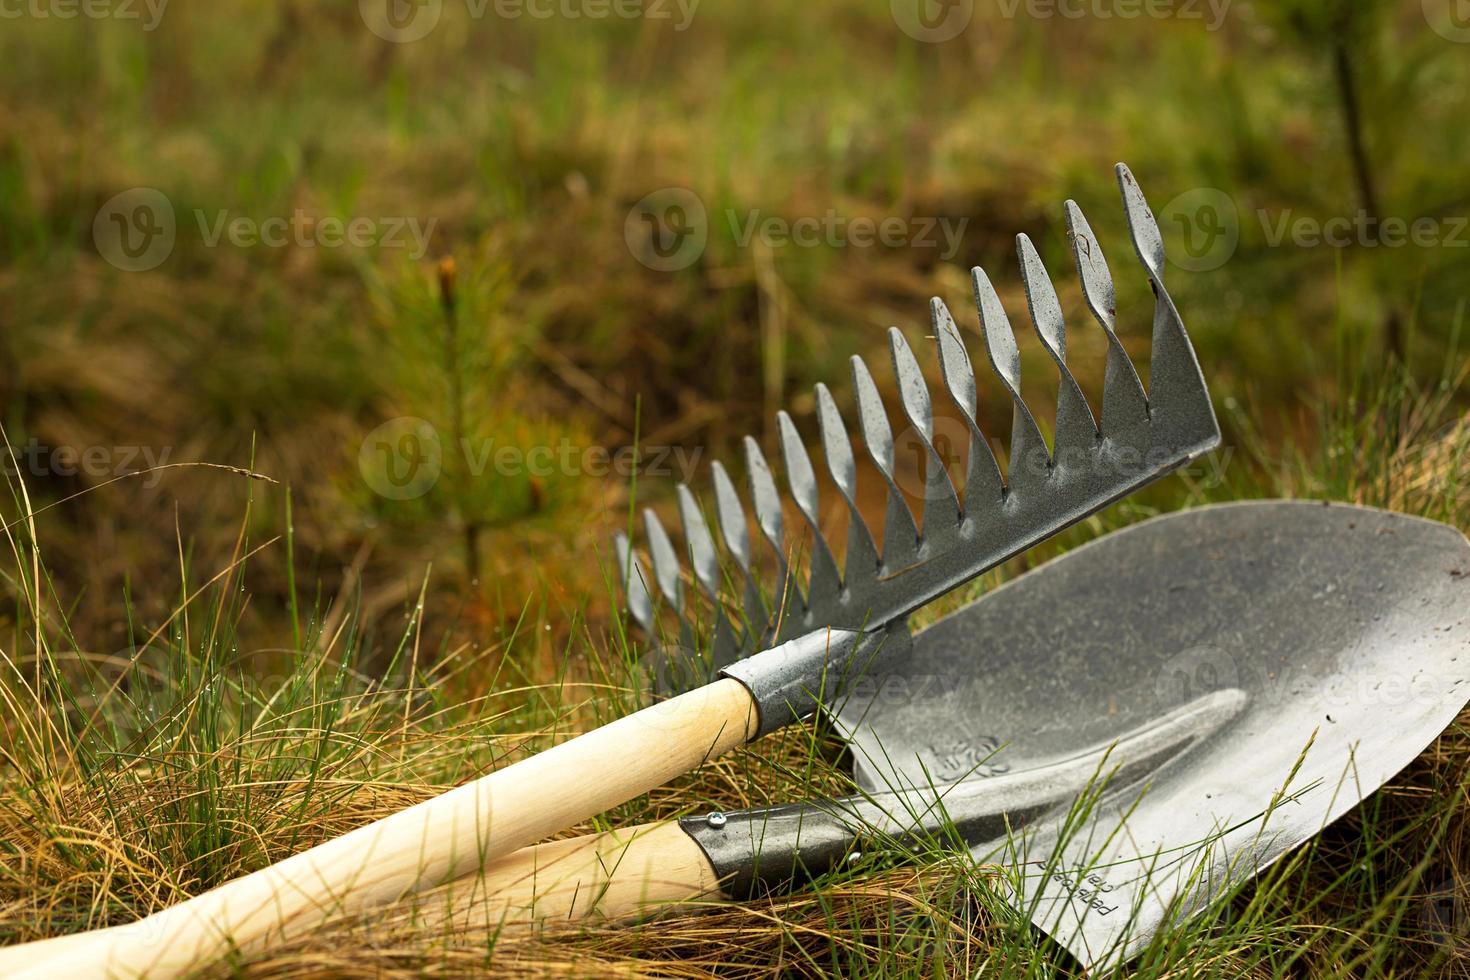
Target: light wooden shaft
x=616 y=875
x=415 y=849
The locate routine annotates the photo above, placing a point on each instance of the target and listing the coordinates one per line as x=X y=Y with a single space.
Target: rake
x=1140 y=437
x=787 y=654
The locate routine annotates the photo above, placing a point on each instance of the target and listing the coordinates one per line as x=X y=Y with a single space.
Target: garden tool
x=1130 y=731
x=814 y=631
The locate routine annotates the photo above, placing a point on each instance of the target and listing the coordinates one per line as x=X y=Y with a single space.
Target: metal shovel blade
x=1332 y=641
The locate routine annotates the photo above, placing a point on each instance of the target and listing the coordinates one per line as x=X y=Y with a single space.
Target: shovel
x=1213 y=686
x=782 y=660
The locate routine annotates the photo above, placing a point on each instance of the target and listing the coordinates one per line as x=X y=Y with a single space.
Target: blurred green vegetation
x=524 y=143
x=379 y=643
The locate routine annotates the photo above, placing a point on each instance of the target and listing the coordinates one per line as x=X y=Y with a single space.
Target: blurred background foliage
x=529 y=320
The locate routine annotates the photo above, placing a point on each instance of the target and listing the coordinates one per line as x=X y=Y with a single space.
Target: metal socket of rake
x=1094 y=461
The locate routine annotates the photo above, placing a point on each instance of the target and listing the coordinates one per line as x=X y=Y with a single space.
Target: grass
x=129 y=789
x=208 y=672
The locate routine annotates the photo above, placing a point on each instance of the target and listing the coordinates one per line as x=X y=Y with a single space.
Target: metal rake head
x=1093 y=462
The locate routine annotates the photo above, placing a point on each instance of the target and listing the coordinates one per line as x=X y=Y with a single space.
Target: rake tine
x=737 y=541
x=1142 y=228
x=702 y=556
x=1075 y=427
x=862 y=550
x=767 y=500
x=635 y=583
x=941 y=503
x=1029 y=461
x=900 y=534
x=666 y=572
x=1175 y=381
x=825 y=583
x=1124 y=401
x=983 y=483
x=706 y=564
x=665 y=561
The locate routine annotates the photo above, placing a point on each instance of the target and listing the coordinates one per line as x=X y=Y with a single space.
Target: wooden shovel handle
x=418 y=848
x=615 y=875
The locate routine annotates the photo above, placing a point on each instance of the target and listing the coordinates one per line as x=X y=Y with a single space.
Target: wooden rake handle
x=416 y=849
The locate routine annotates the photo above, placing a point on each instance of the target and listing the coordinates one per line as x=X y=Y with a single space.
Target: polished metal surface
x=1345 y=630
x=773 y=849
x=780 y=680
x=1177 y=672
x=1097 y=459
